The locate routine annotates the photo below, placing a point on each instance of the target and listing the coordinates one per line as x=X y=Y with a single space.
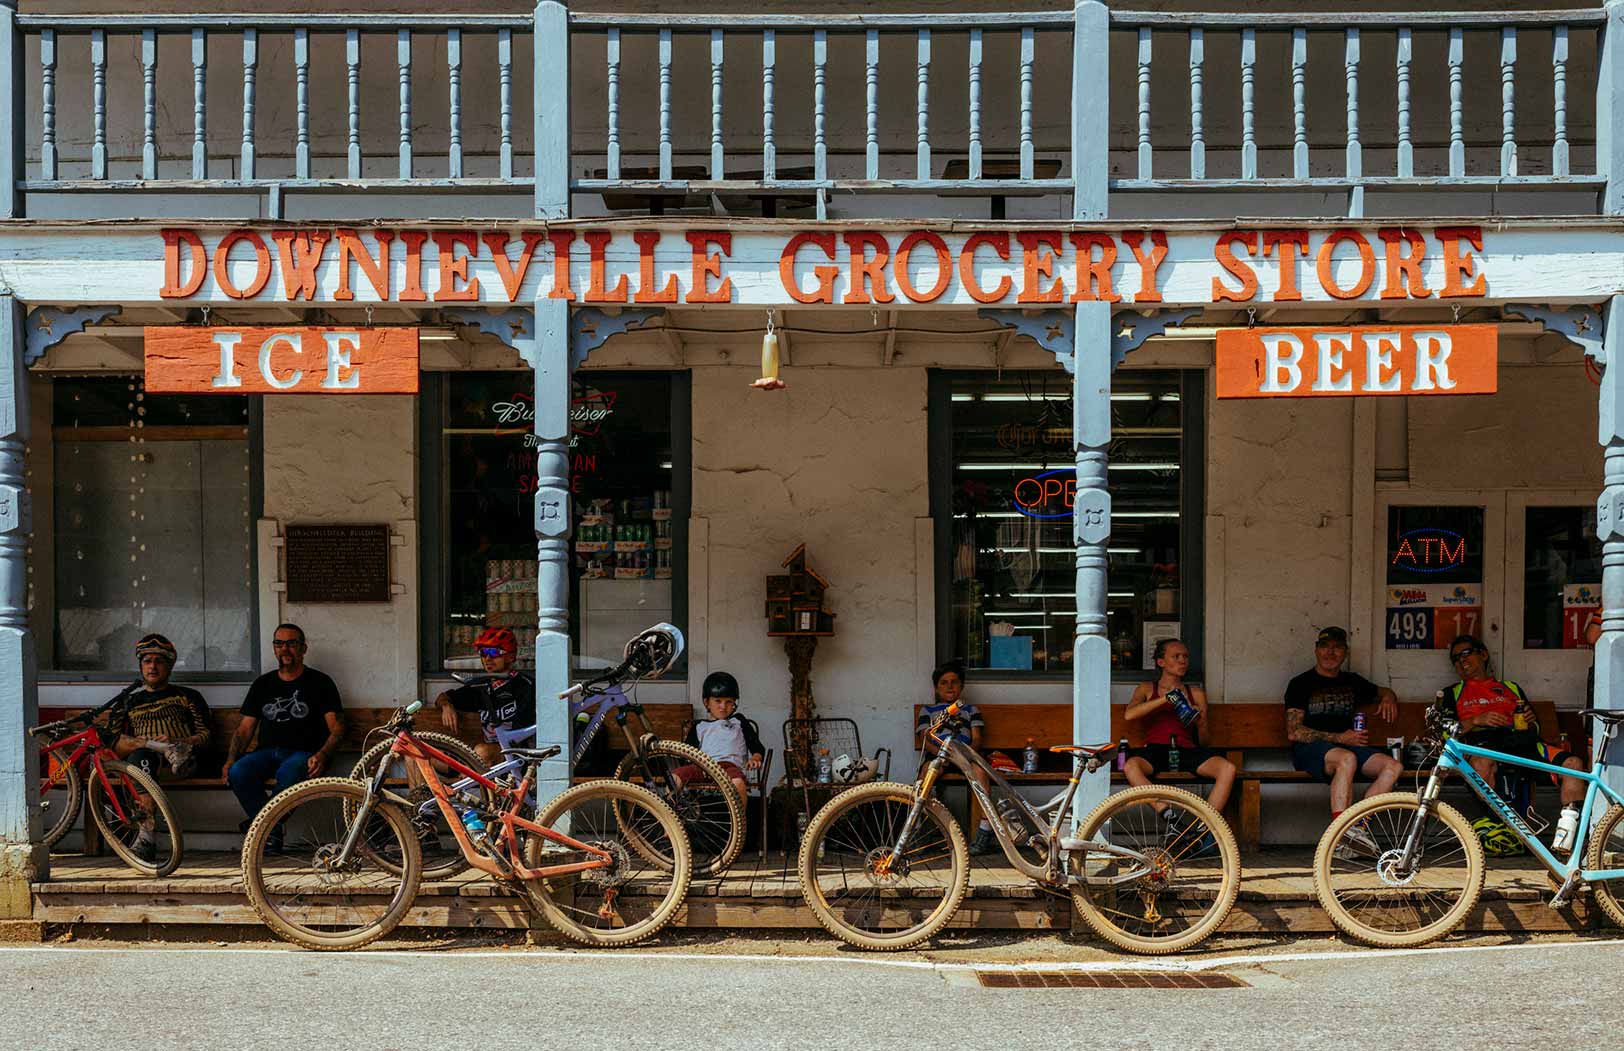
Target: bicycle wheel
x=708 y=806
x=61 y=794
x=1371 y=899
x=441 y=853
x=1606 y=851
x=135 y=819
x=628 y=901
x=875 y=906
x=1185 y=891
x=299 y=888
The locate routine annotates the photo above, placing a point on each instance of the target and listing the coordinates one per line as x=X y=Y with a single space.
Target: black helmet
x=720 y=684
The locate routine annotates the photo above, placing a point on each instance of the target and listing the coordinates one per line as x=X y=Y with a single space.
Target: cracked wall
x=837 y=461
x=350 y=460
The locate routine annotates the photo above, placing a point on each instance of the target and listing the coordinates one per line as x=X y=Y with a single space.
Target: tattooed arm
x=1296 y=731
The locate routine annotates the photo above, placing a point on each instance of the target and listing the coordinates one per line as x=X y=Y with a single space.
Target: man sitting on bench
x=1320 y=706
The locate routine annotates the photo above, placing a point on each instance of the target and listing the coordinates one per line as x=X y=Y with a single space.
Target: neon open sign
x=1430 y=550
x=1047 y=495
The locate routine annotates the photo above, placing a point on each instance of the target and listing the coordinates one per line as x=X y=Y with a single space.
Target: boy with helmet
x=727 y=737
x=506 y=700
x=157 y=721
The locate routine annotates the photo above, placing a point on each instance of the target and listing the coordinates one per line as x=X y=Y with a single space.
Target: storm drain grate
x=1108 y=980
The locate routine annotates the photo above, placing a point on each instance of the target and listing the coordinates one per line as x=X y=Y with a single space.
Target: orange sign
x=1360 y=360
x=224 y=360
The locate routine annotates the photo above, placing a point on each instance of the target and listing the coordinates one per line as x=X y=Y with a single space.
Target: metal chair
x=803 y=740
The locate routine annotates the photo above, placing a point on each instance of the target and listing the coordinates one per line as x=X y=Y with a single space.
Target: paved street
x=1528 y=995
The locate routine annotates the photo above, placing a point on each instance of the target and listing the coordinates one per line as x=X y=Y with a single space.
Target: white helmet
x=854 y=771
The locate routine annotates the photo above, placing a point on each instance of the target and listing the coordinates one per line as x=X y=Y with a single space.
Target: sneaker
x=242 y=826
x=1173 y=822
x=1356 y=844
x=276 y=842
x=1208 y=847
x=984 y=843
x=144 y=848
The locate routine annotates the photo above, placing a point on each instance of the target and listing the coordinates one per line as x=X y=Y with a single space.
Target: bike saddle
x=1093 y=751
x=533 y=754
x=1606 y=715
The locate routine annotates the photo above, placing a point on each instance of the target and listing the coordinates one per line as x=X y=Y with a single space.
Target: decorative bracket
x=1056 y=330
x=1053 y=330
x=590 y=328
x=1129 y=329
x=1582 y=326
x=515 y=327
x=48 y=326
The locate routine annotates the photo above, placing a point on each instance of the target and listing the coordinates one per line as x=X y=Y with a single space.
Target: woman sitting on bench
x=1175 y=718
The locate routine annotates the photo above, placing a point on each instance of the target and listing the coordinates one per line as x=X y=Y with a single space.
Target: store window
x=154 y=512
x=630 y=512
x=1561 y=577
x=1004 y=510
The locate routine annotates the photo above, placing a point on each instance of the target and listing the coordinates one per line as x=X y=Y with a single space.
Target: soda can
x=1359 y=721
x=1395 y=748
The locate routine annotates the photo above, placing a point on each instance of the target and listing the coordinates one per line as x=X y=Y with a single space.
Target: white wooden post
x=13 y=122
x=552 y=98
x=1610 y=109
x=1610 y=528
x=20 y=861
x=1090 y=126
x=1091 y=434
x=552 y=509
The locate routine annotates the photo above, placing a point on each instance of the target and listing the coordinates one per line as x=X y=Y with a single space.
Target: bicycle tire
x=712 y=851
x=60 y=819
x=441 y=864
x=1597 y=857
x=556 y=901
x=117 y=771
x=1099 y=918
x=1369 y=812
x=892 y=800
x=349 y=795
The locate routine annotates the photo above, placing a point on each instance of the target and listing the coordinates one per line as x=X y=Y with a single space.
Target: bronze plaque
x=330 y=564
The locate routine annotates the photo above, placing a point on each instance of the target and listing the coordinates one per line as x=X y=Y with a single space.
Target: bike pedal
x=1566 y=891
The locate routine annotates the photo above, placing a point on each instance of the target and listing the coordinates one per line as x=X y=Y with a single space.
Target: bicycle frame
x=422 y=758
x=967 y=761
x=1456 y=757
x=87 y=740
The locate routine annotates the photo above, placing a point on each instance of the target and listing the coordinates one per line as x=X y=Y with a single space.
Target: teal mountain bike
x=1400 y=869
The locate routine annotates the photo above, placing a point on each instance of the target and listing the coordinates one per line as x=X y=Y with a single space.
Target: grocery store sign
x=189 y=359
x=1358 y=360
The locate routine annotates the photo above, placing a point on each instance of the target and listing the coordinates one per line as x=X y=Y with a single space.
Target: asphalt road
x=1526 y=996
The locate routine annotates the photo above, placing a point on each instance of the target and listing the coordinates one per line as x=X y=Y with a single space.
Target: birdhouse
x=795 y=600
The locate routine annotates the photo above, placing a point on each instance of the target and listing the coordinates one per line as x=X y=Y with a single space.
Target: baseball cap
x=1332 y=634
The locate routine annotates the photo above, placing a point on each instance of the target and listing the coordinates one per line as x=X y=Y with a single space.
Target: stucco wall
x=837 y=461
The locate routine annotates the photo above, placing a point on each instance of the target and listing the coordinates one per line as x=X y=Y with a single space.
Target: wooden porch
x=1277 y=896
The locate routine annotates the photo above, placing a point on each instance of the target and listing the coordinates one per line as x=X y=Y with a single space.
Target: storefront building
x=456 y=322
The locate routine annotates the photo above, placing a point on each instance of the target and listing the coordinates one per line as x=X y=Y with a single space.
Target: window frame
x=1192 y=540
x=46 y=619
x=433 y=525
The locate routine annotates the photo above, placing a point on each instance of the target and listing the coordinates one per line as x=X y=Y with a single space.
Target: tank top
x=1163 y=726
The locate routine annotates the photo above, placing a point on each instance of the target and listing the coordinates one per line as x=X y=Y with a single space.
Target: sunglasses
x=491 y=651
x=284 y=643
x=1456 y=658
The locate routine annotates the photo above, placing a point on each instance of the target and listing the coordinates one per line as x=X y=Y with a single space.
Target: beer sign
x=186 y=359
x=1357 y=360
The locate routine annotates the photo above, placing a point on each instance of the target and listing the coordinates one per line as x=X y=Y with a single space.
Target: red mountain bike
x=127 y=805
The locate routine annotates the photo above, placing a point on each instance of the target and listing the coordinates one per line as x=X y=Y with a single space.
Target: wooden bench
x=1233 y=728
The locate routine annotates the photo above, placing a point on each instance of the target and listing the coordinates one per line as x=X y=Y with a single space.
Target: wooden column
x=552 y=98
x=1610 y=528
x=20 y=862
x=13 y=122
x=1090 y=123
x=551 y=359
x=1091 y=433
x=1610 y=111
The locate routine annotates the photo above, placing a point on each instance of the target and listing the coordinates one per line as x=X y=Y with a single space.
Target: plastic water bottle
x=1173 y=757
x=800 y=831
x=472 y=821
x=1566 y=826
x=826 y=769
x=1122 y=755
x=1029 y=758
x=1182 y=707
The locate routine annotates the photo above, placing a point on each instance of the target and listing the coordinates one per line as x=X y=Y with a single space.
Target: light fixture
x=1125 y=396
x=769 y=359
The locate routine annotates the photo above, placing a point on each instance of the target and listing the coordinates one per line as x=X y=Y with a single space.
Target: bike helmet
x=720 y=684
x=654 y=650
x=1498 y=840
x=497 y=639
x=155 y=645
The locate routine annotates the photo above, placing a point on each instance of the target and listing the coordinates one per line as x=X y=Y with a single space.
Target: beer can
x=1359 y=721
x=1395 y=748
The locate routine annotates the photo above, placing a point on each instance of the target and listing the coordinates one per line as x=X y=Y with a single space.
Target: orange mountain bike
x=335 y=863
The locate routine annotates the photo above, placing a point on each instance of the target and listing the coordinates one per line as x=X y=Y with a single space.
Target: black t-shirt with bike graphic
x=292 y=714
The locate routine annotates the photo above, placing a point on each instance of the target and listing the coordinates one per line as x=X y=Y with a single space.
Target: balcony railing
x=643 y=112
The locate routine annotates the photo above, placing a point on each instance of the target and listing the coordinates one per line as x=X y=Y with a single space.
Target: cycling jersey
x=502 y=703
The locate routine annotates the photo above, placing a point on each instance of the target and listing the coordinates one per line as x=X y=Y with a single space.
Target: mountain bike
x=1151 y=870
x=126 y=804
x=706 y=803
x=1417 y=870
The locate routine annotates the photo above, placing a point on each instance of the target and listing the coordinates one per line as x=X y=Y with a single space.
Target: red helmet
x=497 y=639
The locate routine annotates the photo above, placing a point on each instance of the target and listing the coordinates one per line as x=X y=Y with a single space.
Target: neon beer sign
x=1051 y=494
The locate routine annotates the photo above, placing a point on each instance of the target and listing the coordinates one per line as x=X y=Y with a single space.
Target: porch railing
x=633 y=107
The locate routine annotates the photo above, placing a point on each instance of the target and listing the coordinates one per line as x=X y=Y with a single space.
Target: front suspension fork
x=922 y=792
x=1411 y=853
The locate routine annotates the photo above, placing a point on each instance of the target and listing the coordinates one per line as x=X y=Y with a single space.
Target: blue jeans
x=247 y=775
